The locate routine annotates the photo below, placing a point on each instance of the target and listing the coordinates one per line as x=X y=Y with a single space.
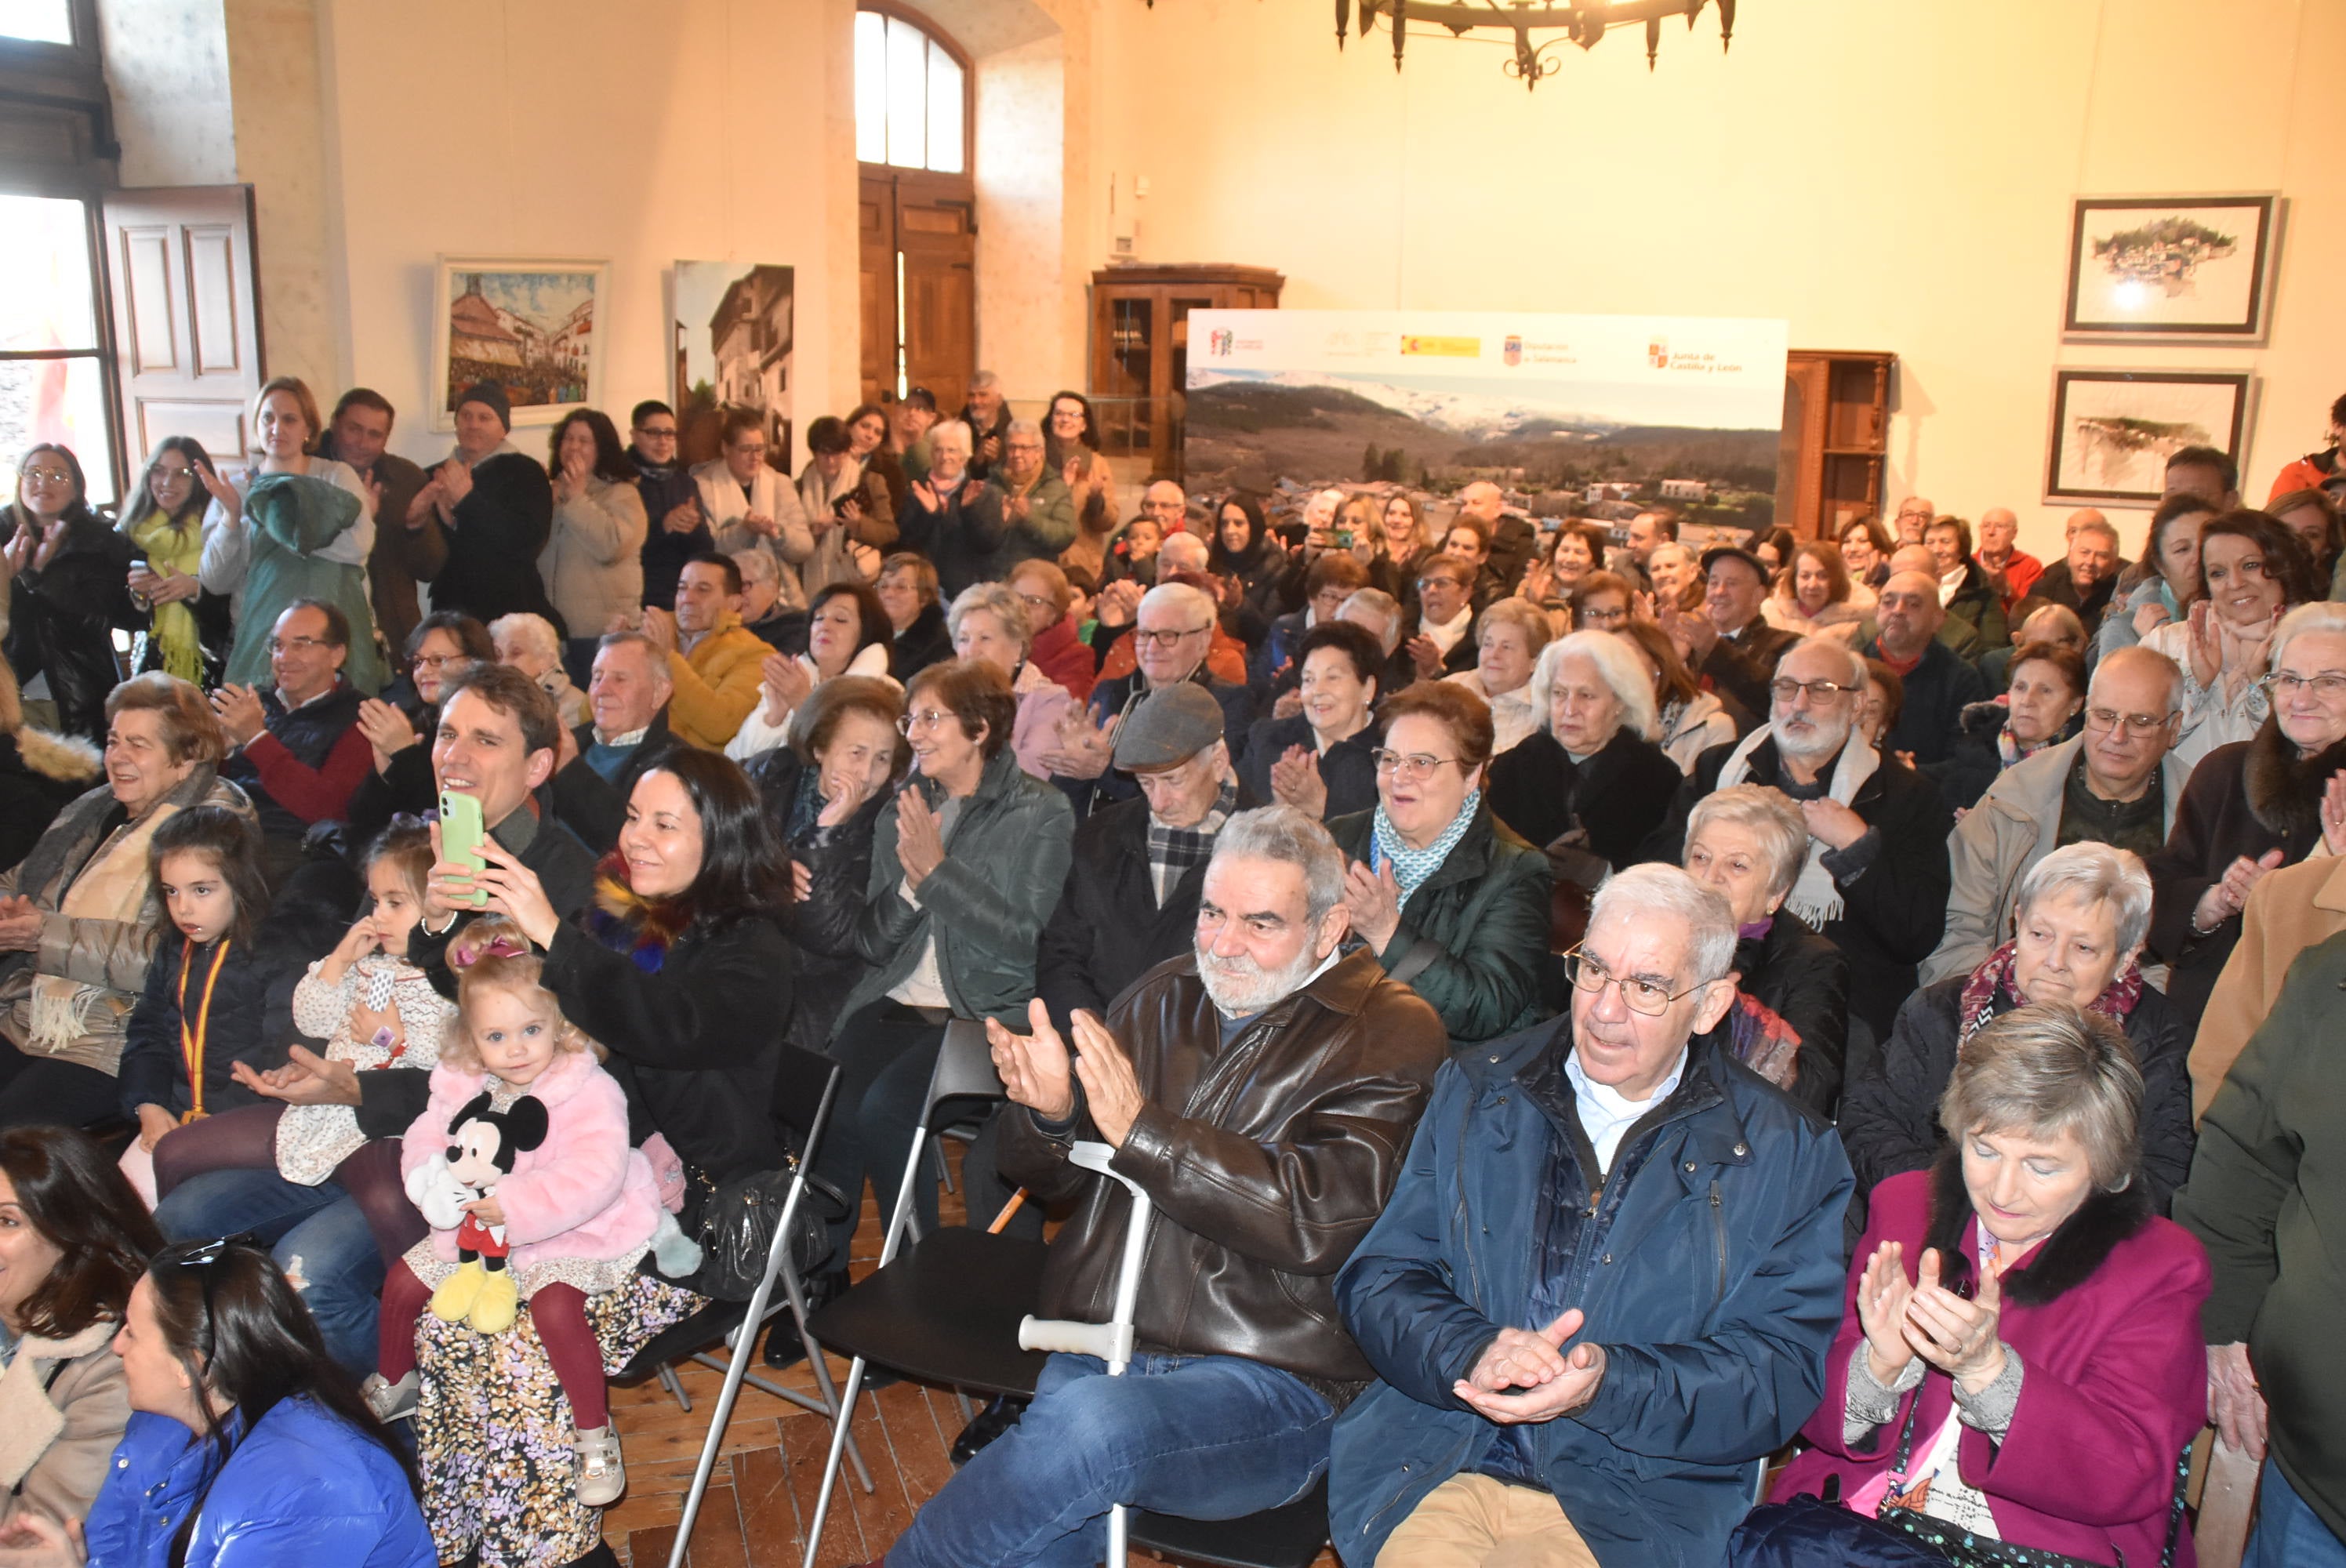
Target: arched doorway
x=914 y=134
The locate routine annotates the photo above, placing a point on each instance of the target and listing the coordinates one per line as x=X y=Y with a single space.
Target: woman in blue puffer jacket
x=246 y=1443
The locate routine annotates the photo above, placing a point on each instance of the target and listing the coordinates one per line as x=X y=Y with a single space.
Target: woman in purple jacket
x=2020 y=1358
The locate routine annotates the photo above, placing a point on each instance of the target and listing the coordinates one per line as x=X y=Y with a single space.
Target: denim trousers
x=1201 y=1437
x=339 y=1270
x=2289 y=1533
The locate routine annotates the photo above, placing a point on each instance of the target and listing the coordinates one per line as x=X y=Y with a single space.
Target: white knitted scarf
x=1815 y=897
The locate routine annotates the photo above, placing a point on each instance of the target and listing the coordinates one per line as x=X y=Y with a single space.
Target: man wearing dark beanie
x=495 y=508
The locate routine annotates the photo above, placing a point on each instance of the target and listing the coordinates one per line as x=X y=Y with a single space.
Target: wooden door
x=919 y=247
x=876 y=241
x=186 y=316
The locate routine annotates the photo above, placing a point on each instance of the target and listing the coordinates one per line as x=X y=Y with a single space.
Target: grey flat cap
x=1168 y=727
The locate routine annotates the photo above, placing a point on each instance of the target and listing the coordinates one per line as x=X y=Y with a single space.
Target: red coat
x=2113 y=1382
x=1059 y=653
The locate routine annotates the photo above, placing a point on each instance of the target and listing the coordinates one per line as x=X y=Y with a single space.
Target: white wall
x=700 y=130
x=1885 y=176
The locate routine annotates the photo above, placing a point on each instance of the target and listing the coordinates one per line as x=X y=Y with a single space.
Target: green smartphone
x=459 y=837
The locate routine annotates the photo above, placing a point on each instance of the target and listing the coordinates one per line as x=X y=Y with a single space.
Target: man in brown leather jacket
x=1263 y=1091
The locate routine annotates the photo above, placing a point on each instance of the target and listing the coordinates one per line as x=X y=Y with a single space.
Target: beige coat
x=63 y=1406
x=2292 y=908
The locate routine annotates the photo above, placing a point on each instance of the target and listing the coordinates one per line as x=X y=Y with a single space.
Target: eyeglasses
x=1410 y=768
x=2325 y=688
x=1150 y=639
x=443 y=661
x=1820 y=691
x=2104 y=720
x=749 y=448
x=1644 y=997
x=49 y=475
x=205 y=1257
x=927 y=719
x=298 y=645
x=1590 y=616
x=654 y=432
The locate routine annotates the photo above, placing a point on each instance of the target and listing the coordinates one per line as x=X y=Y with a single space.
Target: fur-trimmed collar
x=627 y=921
x=2069 y=1255
x=64 y=757
x=2284 y=790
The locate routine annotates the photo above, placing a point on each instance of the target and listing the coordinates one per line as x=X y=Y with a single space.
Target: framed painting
x=2113 y=431
x=534 y=327
x=733 y=340
x=2180 y=268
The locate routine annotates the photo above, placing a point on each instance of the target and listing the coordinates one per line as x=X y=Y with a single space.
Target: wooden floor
x=761 y=1497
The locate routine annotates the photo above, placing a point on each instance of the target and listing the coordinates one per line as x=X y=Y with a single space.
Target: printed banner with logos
x=1315 y=397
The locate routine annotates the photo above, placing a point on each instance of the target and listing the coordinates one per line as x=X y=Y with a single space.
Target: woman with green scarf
x=190 y=632
x=1446 y=898
x=294 y=526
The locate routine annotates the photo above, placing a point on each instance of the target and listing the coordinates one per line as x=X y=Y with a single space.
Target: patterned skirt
x=494 y=1430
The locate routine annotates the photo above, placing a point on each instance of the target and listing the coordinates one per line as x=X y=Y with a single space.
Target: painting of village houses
x=530 y=327
x=731 y=338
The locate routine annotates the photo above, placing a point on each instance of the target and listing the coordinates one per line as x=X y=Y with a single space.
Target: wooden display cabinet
x=1835 y=440
x=1140 y=349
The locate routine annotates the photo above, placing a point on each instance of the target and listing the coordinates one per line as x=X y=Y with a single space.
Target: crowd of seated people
x=1468 y=930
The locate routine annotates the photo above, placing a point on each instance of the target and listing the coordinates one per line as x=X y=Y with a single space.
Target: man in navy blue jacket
x=1606 y=1282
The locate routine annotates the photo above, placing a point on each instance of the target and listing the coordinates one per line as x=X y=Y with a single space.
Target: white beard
x=1817 y=742
x=1241 y=988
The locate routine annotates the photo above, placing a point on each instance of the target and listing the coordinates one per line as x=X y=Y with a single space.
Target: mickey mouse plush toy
x=483 y=1143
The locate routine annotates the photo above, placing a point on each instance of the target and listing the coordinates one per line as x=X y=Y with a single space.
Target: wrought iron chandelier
x=1531 y=59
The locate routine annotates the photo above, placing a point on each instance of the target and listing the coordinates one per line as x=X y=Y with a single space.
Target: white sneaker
x=601 y=1475
x=391 y=1401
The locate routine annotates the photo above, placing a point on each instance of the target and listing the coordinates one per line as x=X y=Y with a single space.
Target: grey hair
x=2320 y=616
x=1184 y=551
x=1005 y=607
x=2095 y=874
x=1024 y=427
x=1617 y=666
x=1293 y=838
x=1701 y=912
x=1521 y=614
x=1768 y=815
x=2048 y=1069
x=532 y=631
x=1377 y=602
x=757 y=565
x=944 y=427
x=1177 y=595
x=2118 y=659
x=983 y=380
x=2057 y=615
x=1856 y=659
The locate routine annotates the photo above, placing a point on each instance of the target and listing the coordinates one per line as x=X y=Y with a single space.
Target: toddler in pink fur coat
x=521 y=1164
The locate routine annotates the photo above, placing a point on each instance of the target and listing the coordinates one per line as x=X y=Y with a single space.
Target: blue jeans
x=320 y=1225
x=1202 y=1437
x=2289 y=1534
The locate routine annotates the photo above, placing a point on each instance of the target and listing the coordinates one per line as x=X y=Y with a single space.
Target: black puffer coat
x=62 y=616
x=1890 y=1113
x=1616 y=799
x=824 y=963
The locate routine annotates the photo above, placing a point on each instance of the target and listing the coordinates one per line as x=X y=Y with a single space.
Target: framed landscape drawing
x=2113 y=431
x=531 y=327
x=2182 y=269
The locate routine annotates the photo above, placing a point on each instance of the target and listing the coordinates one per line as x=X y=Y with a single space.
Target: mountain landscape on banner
x=1252 y=432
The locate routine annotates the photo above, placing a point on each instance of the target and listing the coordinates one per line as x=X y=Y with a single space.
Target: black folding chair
x=945 y=1309
x=806 y=1088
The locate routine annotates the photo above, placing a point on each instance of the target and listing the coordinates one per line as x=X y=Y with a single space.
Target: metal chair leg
x=830 y=1463
x=676 y=1389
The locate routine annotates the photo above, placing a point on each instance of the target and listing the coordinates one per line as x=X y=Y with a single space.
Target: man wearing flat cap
x=1131 y=898
x=494 y=506
x=1727 y=644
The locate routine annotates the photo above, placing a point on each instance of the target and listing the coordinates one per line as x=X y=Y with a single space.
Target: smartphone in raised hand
x=461 y=833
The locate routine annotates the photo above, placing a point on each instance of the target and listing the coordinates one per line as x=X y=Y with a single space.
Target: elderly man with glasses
x=296 y=746
x=2117 y=783
x=1607 y=1280
x=1875 y=883
x=1171 y=636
